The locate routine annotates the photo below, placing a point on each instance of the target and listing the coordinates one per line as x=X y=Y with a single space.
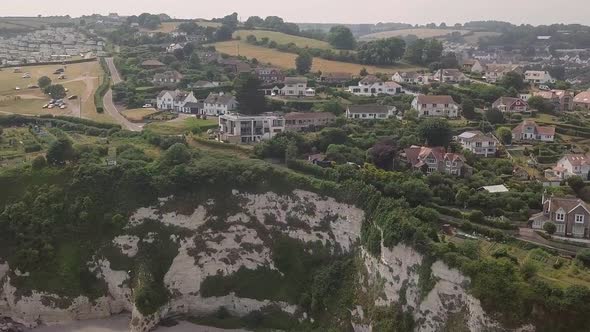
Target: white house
x=370 y=112
x=244 y=129
x=528 y=130
x=538 y=77
x=372 y=86
x=175 y=100
x=219 y=103
x=430 y=106
x=570 y=165
x=411 y=78
x=294 y=87
x=478 y=143
x=450 y=76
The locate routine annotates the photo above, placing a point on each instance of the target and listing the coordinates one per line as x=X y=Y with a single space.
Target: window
x=431 y=169
x=579 y=218
x=446 y=105
x=560 y=229
x=560 y=217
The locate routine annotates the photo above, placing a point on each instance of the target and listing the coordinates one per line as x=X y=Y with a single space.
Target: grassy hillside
x=287 y=60
x=282 y=38
x=420 y=33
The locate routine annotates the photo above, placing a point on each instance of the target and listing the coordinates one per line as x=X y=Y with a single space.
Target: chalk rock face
x=212 y=239
x=208 y=244
x=397 y=273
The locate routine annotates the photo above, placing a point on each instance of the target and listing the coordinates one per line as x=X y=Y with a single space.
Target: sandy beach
x=121 y=323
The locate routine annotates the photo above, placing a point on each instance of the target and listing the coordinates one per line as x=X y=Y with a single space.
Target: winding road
x=109 y=105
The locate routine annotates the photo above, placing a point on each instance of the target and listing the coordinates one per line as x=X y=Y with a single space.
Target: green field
x=283 y=38
x=181 y=126
x=287 y=60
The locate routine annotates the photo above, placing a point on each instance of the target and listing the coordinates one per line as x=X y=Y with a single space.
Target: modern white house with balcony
x=246 y=129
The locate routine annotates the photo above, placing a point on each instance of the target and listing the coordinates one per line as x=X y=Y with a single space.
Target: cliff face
x=213 y=243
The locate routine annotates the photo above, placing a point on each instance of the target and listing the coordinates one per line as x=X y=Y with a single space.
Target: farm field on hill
x=283 y=38
x=287 y=60
x=420 y=33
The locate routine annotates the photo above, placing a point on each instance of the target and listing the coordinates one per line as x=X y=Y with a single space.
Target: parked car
x=46 y=106
x=147 y=106
x=17 y=88
x=72 y=97
x=63 y=106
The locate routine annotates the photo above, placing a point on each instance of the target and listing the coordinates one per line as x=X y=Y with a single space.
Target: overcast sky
x=327 y=11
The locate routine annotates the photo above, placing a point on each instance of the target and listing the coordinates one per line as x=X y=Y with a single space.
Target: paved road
x=109 y=105
x=110 y=108
x=114 y=72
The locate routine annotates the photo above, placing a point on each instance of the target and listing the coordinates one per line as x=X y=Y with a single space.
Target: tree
x=550 y=228
x=383 y=153
x=415 y=52
x=250 y=98
x=576 y=183
x=382 y=52
x=462 y=197
x=194 y=61
x=303 y=62
x=504 y=135
x=254 y=21
x=44 y=82
x=188 y=49
x=416 y=191
x=179 y=54
x=60 y=152
x=512 y=80
x=56 y=91
x=363 y=72
x=251 y=39
x=39 y=162
x=433 y=50
x=224 y=33
x=175 y=155
x=540 y=104
x=341 y=38
x=468 y=108
x=436 y=132
x=494 y=116
x=333 y=107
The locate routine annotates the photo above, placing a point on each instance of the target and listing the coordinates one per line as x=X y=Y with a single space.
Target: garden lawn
x=181 y=126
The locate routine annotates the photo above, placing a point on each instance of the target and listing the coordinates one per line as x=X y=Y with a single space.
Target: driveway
x=529 y=235
x=109 y=105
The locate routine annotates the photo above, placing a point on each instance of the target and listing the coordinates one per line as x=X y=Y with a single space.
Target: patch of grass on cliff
x=320 y=283
x=67 y=275
x=152 y=263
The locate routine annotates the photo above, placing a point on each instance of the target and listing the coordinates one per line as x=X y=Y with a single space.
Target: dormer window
x=560 y=216
x=579 y=218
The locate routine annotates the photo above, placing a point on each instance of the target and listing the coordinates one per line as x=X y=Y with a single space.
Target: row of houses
x=185 y=102
x=495 y=72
